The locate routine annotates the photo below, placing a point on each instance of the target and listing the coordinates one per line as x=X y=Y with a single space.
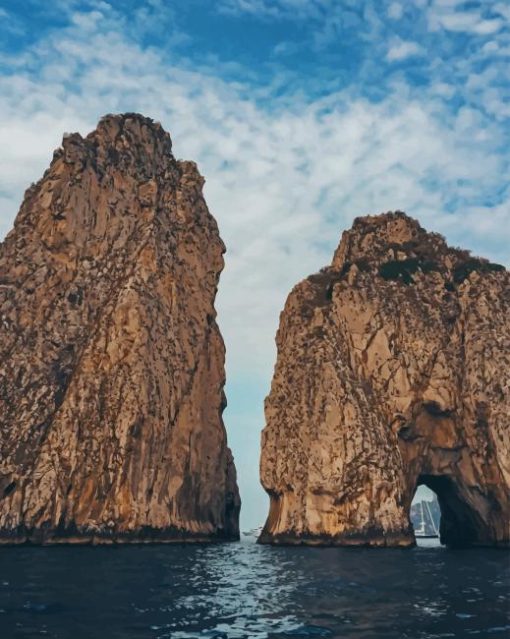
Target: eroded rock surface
x=111 y=361
x=392 y=371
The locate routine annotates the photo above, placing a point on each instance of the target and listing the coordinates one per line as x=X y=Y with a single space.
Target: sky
x=301 y=115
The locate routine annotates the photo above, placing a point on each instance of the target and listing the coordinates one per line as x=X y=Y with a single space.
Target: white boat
x=421 y=530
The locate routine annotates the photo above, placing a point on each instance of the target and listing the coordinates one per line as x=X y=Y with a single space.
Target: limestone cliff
x=111 y=362
x=392 y=371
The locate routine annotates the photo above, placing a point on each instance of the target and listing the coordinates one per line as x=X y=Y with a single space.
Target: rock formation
x=392 y=371
x=111 y=361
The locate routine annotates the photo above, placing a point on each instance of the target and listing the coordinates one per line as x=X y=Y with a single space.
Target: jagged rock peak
x=111 y=361
x=128 y=134
x=371 y=237
x=376 y=239
x=391 y=373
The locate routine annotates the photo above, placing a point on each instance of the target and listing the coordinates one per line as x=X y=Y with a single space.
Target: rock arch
x=460 y=524
x=436 y=453
x=391 y=371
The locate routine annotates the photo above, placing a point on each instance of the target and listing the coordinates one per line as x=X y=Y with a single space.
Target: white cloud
x=86 y=20
x=443 y=89
x=469 y=22
x=285 y=48
x=254 y=7
x=451 y=16
x=395 y=11
x=401 y=50
x=503 y=9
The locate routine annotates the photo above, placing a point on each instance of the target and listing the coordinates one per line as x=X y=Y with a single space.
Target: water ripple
x=245 y=591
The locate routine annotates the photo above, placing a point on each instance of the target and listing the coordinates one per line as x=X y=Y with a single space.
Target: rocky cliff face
x=392 y=371
x=111 y=362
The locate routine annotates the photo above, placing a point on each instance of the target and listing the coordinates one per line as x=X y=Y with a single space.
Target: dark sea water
x=245 y=590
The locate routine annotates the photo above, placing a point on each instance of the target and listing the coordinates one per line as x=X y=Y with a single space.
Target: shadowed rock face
x=392 y=371
x=111 y=362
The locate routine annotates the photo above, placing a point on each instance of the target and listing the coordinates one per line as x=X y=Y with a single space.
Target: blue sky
x=301 y=114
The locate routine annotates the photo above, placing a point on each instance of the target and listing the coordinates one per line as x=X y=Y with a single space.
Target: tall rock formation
x=111 y=362
x=392 y=371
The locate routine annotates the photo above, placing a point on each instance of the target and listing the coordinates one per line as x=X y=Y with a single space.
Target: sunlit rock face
x=111 y=361
x=392 y=371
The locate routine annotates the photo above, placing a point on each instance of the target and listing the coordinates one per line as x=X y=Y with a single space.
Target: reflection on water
x=248 y=591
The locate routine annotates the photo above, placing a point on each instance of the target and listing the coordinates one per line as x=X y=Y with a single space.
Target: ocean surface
x=242 y=590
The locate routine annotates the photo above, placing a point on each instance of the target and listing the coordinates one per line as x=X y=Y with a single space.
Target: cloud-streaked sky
x=301 y=114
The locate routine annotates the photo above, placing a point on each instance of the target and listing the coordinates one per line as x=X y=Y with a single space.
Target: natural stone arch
x=391 y=371
x=460 y=524
x=435 y=453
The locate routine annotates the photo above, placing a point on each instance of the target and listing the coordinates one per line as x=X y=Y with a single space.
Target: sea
x=244 y=590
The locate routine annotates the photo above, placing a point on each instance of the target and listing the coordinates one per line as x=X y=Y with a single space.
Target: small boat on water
x=424 y=531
